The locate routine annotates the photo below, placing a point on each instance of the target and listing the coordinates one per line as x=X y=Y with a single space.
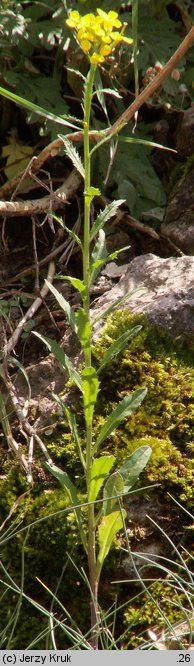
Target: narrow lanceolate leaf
x=116 y=303
x=99 y=255
x=83 y=328
x=72 y=425
x=64 y=306
x=70 y=490
x=108 y=91
x=145 y=142
x=70 y=232
x=73 y=155
x=107 y=531
x=109 y=211
x=125 y=408
x=113 y=486
x=99 y=91
x=100 y=469
x=90 y=388
x=134 y=465
x=62 y=358
x=77 y=284
x=30 y=106
x=118 y=345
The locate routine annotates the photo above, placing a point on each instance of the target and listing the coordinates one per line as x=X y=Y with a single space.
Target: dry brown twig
x=12 y=342
x=25 y=426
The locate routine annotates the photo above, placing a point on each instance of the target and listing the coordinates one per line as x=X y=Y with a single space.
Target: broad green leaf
x=62 y=358
x=100 y=469
x=116 y=303
x=98 y=256
x=90 y=194
x=90 y=387
x=107 y=531
x=69 y=231
x=118 y=345
x=73 y=155
x=18 y=157
x=137 y=181
x=113 y=486
x=134 y=465
x=30 y=106
x=83 y=328
x=72 y=425
x=70 y=490
x=109 y=211
x=64 y=305
x=125 y=408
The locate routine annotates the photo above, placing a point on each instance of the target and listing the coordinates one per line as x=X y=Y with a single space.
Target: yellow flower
x=96 y=34
x=110 y=19
x=95 y=59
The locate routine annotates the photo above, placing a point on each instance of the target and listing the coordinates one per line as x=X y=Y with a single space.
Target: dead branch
x=37 y=206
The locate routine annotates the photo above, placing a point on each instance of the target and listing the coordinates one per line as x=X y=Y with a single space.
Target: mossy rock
x=165 y=420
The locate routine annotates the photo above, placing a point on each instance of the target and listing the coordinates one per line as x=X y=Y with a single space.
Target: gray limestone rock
x=165 y=294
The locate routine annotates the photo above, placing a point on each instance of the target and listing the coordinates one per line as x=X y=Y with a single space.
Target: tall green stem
x=87 y=169
x=87 y=353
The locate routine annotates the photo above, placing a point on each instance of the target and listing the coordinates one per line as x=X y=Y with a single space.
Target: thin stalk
x=87 y=357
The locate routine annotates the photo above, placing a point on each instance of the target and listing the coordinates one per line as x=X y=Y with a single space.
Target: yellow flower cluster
x=98 y=35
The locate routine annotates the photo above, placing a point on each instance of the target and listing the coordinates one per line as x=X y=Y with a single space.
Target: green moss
x=47 y=547
x=143 y=613
x=165 y=420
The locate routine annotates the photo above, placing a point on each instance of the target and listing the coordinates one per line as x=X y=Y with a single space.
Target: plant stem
x=87 y=356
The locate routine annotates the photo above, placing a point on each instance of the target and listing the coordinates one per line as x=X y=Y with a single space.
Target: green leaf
x=64 y=305
x=118 y=345
x=99 y=91
x=30 y=106
x=70 y=490
x=90 y=387
x=113 y=486
x=83 y=328
x=62 y=358
x=98 y=256
x=69 y=231
x=134 y=465
x=90 y=193
x=107 y=531
x=116 y=303
x=72 y=425
x=100 y=469
x=73 y=155
x=125 y=408
x=109 y=211
x=145 y=142
x=136 y=178
x=76 y=283
x=108 y=91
